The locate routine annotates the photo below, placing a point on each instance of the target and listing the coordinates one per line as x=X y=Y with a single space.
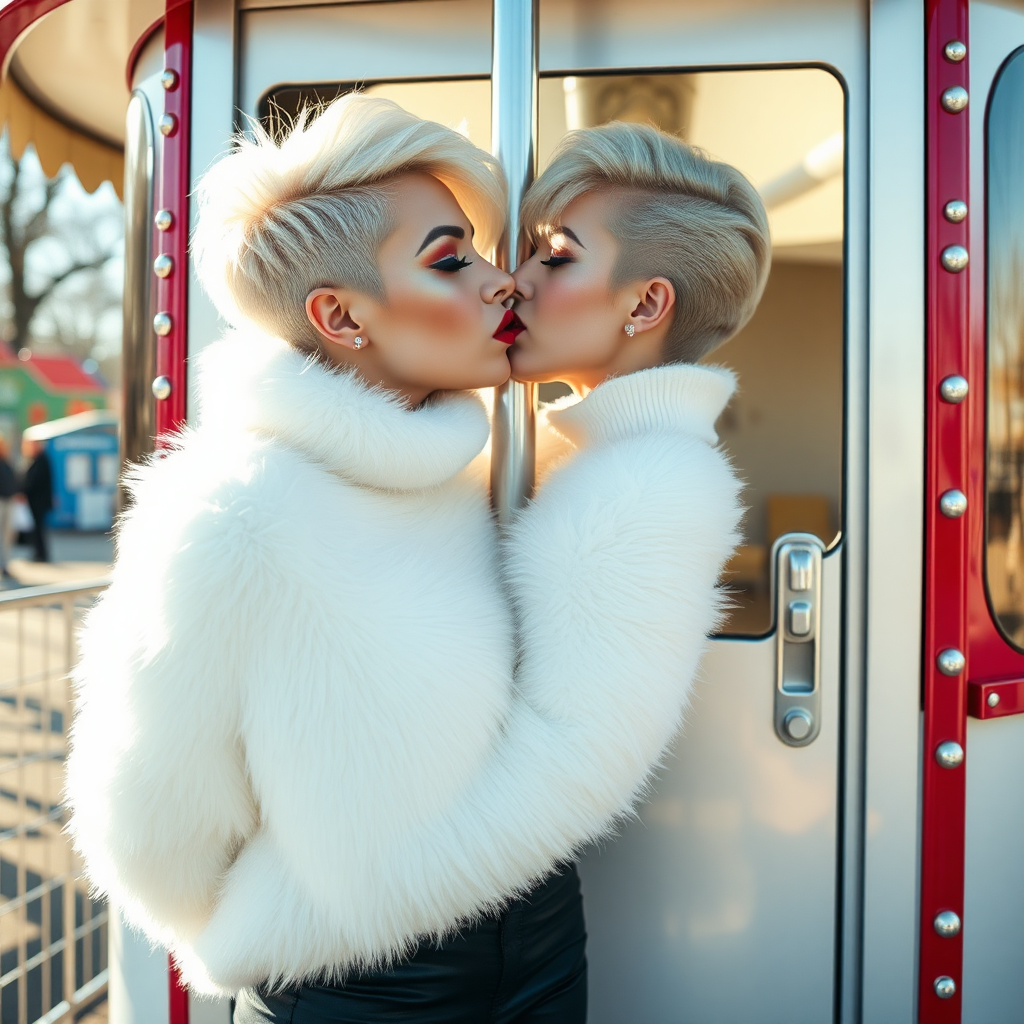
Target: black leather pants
x=525 y=966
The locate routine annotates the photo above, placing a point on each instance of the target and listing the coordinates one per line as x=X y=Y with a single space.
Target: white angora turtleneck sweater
x=299 y=745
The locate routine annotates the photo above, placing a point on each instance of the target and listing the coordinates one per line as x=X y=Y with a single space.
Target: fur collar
x=679 y=397
x=262 y=385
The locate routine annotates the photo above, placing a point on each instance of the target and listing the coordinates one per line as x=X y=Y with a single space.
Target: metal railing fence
x=53 y=936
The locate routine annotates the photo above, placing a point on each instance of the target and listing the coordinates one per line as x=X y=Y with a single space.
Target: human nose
x=498 y=287
x=523 y=285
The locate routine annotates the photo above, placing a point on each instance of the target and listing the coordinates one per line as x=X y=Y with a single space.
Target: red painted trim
x=140 y=43
x=172 y=291
x=1010 y=694
x=16 y=17
x=178 y=995
x=944 y=697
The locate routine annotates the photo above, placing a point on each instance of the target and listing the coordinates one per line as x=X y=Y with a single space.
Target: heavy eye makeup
x=561 y=253
x=445 y=256
x=450 y=263
x=557 y=261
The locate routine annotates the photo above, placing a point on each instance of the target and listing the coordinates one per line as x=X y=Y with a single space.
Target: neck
x=365 y=367
x=642 y=352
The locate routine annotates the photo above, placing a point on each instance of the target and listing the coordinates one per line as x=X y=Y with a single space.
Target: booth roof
x=71 y=424
x=59 y=373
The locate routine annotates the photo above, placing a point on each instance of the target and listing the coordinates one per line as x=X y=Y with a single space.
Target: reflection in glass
x=1005 y=555
x=783 y=129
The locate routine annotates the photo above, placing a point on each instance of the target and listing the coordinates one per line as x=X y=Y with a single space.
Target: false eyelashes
x=450 y=264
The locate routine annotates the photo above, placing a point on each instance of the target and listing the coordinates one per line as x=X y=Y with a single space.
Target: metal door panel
x=357 y=42
x=893 y=503
x=718 y=902
x=583 y=35
x=993 y=893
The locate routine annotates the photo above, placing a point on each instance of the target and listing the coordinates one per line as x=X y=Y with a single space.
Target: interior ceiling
x=73 y=62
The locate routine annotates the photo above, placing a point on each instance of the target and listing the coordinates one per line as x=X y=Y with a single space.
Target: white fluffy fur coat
x=299 y=744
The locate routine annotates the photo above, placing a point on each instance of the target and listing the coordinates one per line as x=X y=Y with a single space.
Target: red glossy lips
x=510 y=327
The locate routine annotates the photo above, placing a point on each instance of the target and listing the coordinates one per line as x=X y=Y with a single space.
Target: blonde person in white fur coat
x=300 y=757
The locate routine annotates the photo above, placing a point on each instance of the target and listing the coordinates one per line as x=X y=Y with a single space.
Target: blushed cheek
x=433 y=316
x=572 y=312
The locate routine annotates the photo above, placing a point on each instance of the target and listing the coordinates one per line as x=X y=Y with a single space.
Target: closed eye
x=557 y=261
x=450 y=264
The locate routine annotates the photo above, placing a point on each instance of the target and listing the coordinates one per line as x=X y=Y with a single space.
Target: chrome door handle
x=796 y=558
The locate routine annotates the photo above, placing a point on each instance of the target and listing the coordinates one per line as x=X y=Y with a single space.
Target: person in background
x=37 y=486
x=8 y=488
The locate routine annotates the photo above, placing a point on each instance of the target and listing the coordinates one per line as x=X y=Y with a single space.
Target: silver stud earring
x=358 y=343
x=630 y=330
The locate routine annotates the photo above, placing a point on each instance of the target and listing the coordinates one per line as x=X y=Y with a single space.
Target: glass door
x=720 y=901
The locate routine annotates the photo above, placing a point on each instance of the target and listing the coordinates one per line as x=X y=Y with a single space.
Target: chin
x=491 y=375
x=500 y=376
x=527 y=374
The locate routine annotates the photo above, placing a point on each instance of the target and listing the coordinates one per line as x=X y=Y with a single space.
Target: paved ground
x=74 y=556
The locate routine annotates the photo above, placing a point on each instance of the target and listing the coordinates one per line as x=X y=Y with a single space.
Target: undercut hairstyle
x=277 y=220
x=678 y=214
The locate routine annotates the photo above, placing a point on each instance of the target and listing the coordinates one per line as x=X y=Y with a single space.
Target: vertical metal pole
x=513 y=141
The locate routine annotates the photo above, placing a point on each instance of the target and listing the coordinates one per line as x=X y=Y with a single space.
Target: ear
x=328 y=312
x=657 y=299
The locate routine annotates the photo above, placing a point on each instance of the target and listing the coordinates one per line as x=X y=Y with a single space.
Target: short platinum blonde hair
x=683 y=216
x=278 y=220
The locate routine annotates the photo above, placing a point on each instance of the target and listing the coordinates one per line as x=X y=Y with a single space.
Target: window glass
x=1005 y=477
x=784 y=429
x=784 y=130
x=77 y=471
x=462 y=103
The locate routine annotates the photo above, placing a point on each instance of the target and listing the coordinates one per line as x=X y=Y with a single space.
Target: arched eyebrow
x=569 y=233
x=441 y=231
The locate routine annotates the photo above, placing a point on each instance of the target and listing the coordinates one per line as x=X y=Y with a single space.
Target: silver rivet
x=163 y=220
x=168 y=124
x=992 y=700
x=162 y=324
x=947 y=924
x=954 y=51
x=953 y=389
x=955 y=211
x=798 y=723
x=951 y=662
x=169 y=79
x=954 y=99
x=162 y=388
x=163 y=265
x=953 y=504
x=954 y=258
x=945 y=987
x=949 y=754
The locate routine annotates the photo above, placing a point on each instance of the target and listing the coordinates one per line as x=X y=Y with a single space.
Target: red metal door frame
x=944 y=682
x=171 y=322
x=172 y=222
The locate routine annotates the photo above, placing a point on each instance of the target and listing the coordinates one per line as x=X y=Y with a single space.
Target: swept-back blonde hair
x=679 y=215
x=278 y=220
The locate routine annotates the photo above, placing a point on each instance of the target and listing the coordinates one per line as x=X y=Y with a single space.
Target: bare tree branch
x=28 y=225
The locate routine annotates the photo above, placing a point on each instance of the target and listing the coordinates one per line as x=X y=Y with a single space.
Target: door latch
x=797 y=590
